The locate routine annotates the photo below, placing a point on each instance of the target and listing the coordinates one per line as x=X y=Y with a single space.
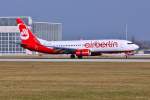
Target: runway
x=75 y=60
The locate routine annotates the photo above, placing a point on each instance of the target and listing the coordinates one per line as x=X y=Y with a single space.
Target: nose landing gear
x=129 y=53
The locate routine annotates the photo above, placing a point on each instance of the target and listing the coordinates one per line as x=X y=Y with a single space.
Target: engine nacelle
x=83 y=52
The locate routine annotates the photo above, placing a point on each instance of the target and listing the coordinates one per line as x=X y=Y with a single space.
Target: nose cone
x=136 y=47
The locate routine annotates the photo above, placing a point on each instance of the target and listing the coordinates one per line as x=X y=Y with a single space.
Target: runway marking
x=75 y=60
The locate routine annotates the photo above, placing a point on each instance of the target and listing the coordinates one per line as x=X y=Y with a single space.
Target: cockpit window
x=130 y=43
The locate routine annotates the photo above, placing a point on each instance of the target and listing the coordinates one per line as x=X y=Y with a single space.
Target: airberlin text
x=98 y=44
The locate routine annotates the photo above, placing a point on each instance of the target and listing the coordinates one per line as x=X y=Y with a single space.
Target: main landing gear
x=72 y=56
x=80 y=57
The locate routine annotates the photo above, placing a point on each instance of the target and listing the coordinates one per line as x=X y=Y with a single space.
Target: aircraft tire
x=80 y=57
x=72 y=56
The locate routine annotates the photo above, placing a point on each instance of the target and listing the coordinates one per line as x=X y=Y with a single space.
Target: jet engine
x=83 y=52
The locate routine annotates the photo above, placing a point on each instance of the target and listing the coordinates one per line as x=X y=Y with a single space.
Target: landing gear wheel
x=72 y=56
x=126 y=56
x=80 y=57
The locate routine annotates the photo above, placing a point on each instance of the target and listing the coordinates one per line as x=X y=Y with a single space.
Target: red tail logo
x=25 y=34
x=29 y=41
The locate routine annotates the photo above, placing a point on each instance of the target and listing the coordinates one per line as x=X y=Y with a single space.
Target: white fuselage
x=110 y=45
x=75 y=48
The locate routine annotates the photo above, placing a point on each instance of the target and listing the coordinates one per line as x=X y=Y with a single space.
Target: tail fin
x=27 y=37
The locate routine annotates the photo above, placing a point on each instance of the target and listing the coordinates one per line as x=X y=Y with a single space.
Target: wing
x=63 y=50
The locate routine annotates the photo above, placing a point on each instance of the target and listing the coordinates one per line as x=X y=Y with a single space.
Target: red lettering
x=115 y=44
x=87 y=45
x=97 y=44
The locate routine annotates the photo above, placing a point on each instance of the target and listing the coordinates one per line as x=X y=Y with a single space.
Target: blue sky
x=87 y=19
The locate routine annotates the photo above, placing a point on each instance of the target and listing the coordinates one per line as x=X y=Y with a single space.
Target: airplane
x=75 y=48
